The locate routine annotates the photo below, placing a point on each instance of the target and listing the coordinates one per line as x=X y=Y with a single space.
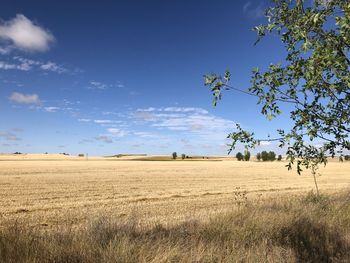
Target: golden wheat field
x=54 y=190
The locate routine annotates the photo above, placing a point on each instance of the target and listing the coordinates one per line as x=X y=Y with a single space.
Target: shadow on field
x=291 y=229
x=314 y=242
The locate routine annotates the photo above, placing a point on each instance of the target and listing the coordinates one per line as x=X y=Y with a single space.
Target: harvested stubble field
x=66 y=209
x=55 y=190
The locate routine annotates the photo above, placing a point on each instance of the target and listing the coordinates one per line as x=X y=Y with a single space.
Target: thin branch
x=254 y=95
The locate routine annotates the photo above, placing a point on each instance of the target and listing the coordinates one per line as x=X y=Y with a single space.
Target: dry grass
x=70 y=191
x=298 y=229
x=67 y=209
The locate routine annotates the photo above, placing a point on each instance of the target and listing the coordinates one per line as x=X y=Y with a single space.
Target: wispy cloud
x=191 y=128
x=98 y=85
x=51 y=66
x=10 y=66
x=118 y=114
x=104 y=138
x=5 y=50
x=84 y=120
x=195 y=123
x=24 y=64
x=186 y=109
x=150 y=109
x=51 y=109
x=190 y=121
x=22 y=33
x=106 y=121
x=64 y=106
x=174 y=109
x=254 y=10
x=119 y=85
x=265 y=143
x=146 y=135
x=24 y=98
x=115 y=132
x=84 y=141
x=9 y=136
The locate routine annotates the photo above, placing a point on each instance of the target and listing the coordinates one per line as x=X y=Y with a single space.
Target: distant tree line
x=268 y=156
x=263 y=156
x=174 y=155
x=243 y=157
x=183 y=156
x=347 y=157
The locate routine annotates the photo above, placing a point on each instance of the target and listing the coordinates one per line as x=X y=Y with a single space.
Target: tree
x=258 y=156
x=264 y=156
x=246 y=156
x=314 y=80
x=183 y=156
x=239 y=156
x=279 y=158
x=174 y=155
x=347 y=157
x=272 y=156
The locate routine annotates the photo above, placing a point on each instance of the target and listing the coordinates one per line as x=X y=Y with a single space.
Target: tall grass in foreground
x=294 y=229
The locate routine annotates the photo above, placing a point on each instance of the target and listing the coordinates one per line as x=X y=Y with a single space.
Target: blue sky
x=113 y=77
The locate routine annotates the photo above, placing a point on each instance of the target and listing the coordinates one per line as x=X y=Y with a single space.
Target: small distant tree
x=183 y=156
x=272 y=156
x=239 y=156
x=174 y=155
x=264 y=156
x=279 y=158
x=347 y=157
x=246 y=156
x=258 y=156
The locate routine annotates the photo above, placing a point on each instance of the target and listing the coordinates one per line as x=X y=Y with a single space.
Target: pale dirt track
x=71 y=190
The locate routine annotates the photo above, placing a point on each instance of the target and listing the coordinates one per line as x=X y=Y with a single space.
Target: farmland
x=52 y=190
x=56 y=208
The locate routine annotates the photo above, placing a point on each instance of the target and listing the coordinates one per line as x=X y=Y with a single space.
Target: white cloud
x=5 y=50
x=103 y=121
x=102 y=86
x=51 y=66
x=97 y=85
x=175 y=109
x=146 y=135
x=104 y=138
x=186 y=109
x=246 y=6
x=144 y=116
x=118 y=114
x=51 y=109
x=24 y=98
x=9 y=66
x=265 y=143
x=23 y=34
x=254 y=12
x=117 y=132
x=197 y=123
x=83 y=141
x=169 y=115
x=177 y=128
x=193 y=122
x=24 y=64
x=147 y=109
x=84 y=120
x=26 y=61
x=9 y=136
